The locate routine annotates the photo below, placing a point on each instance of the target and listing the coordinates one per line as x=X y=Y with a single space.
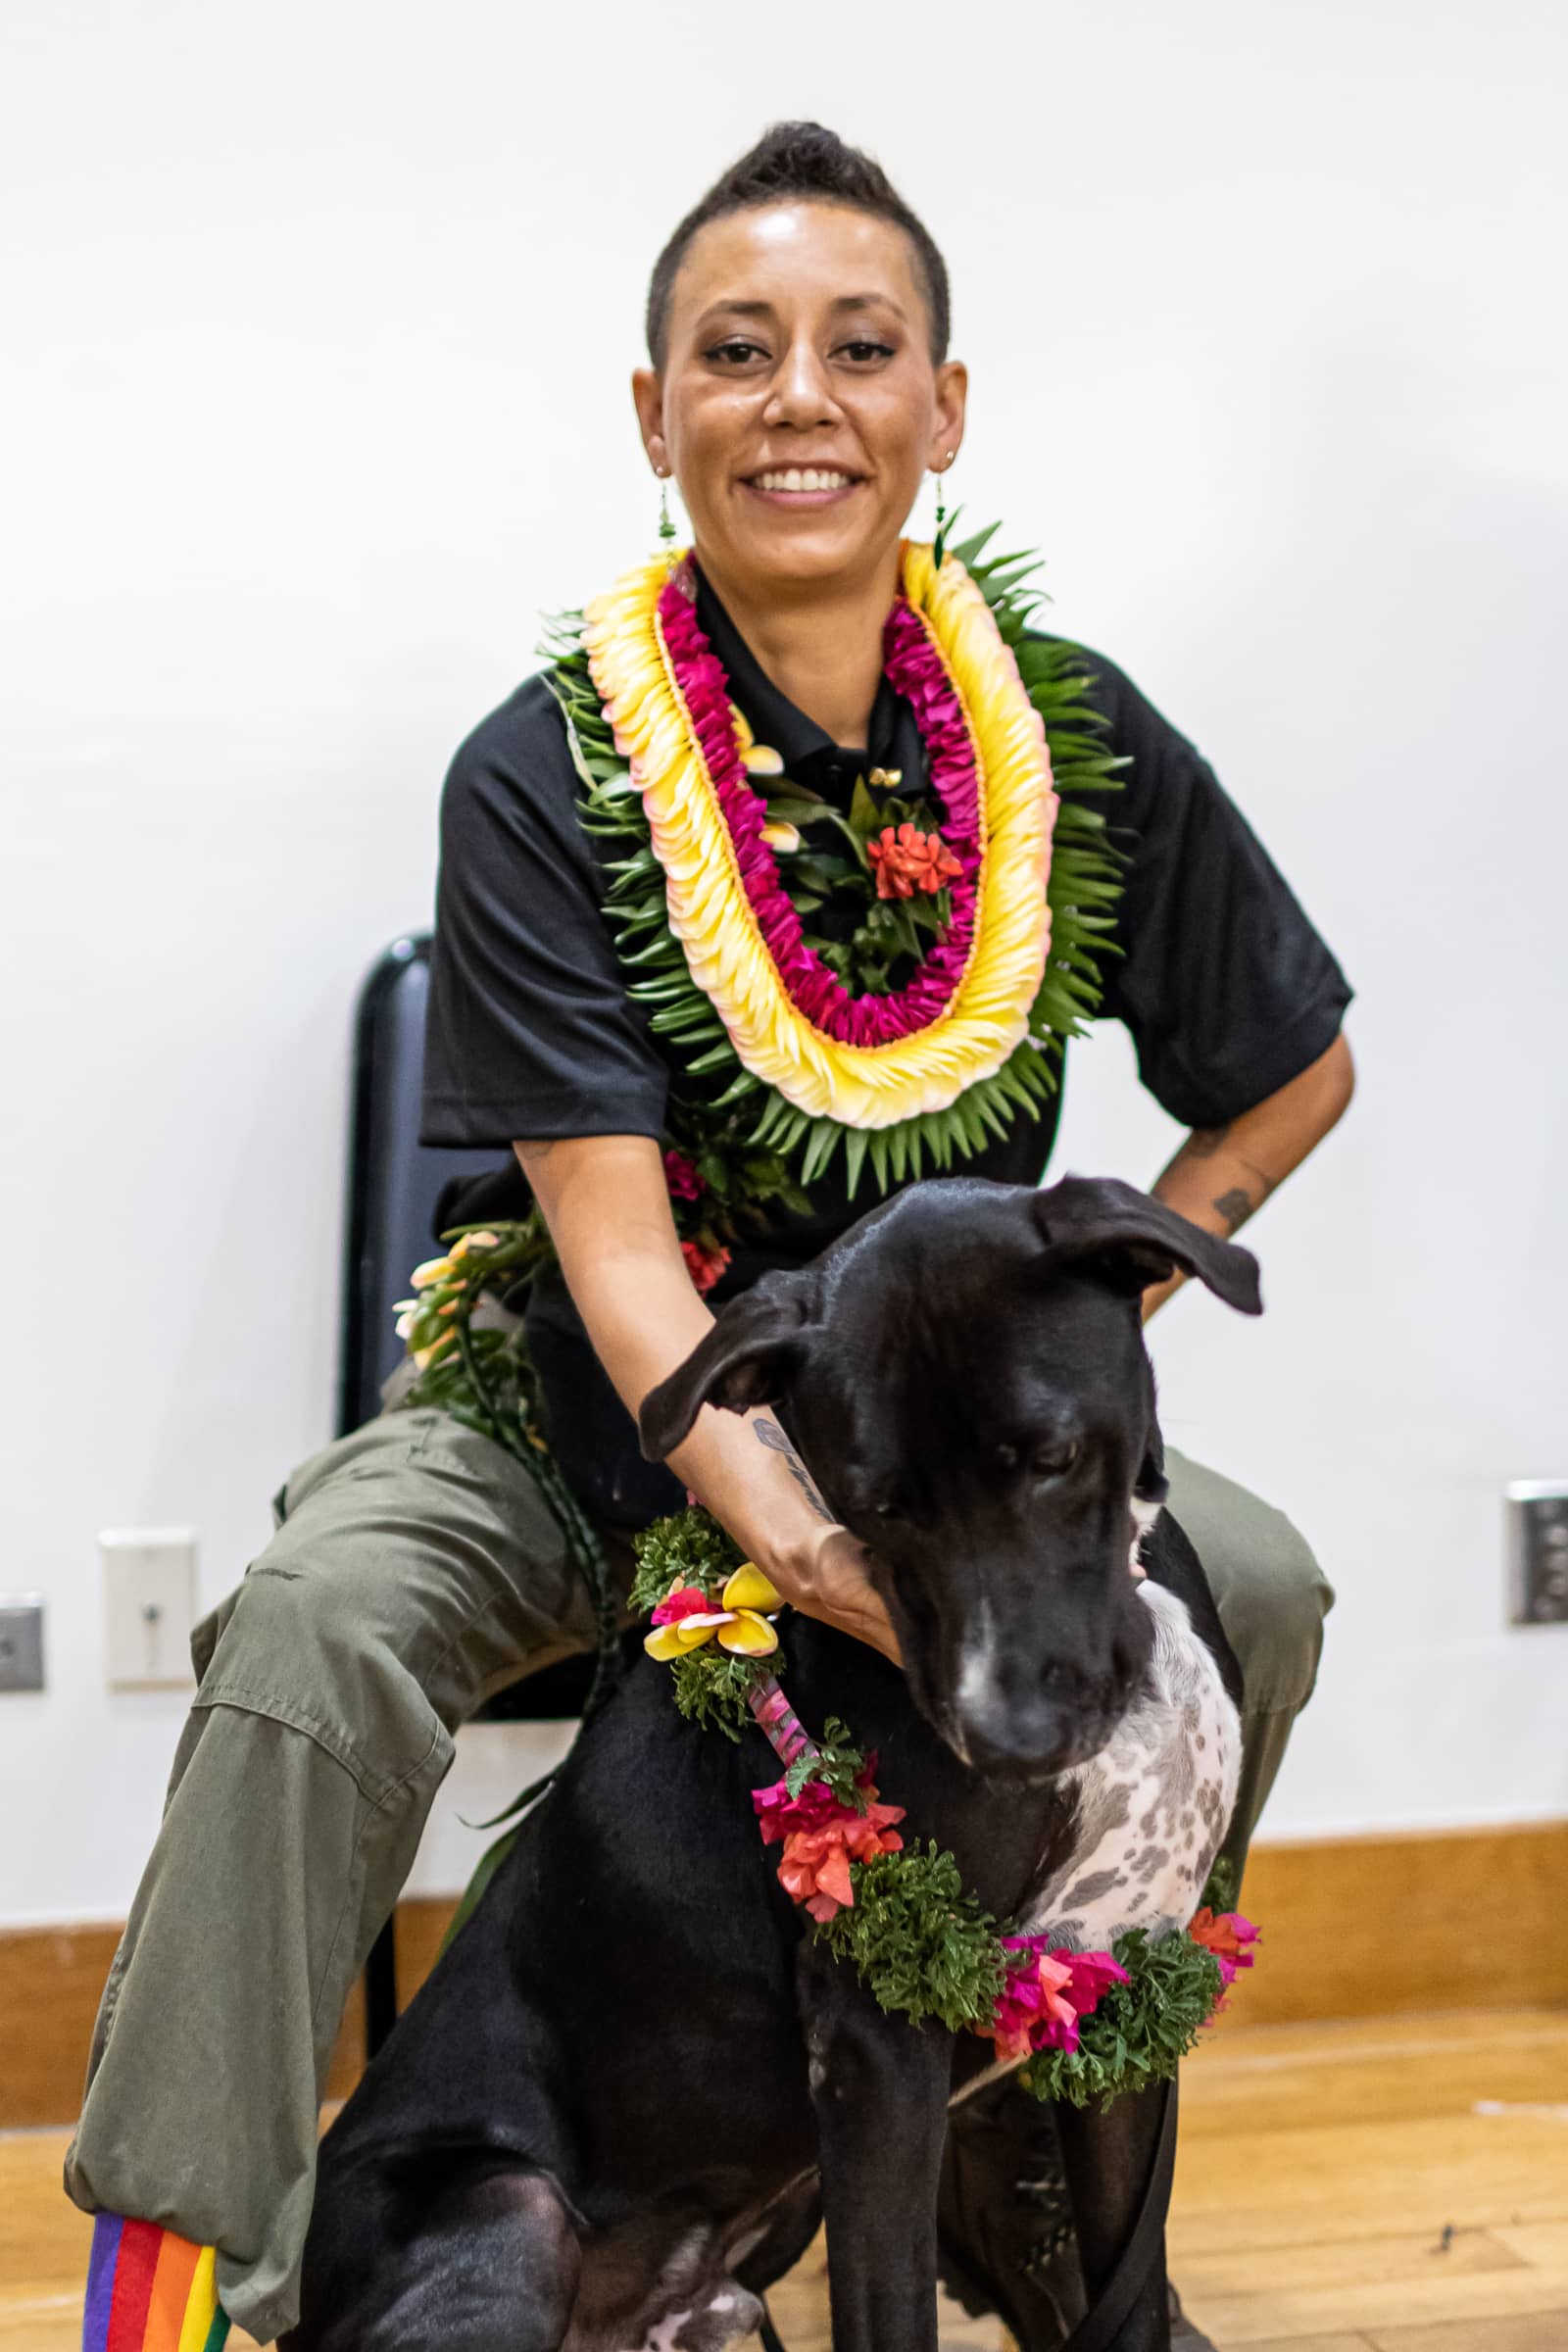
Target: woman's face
x=797 y=408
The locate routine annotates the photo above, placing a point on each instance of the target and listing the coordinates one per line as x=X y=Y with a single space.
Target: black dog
x=614 y=2115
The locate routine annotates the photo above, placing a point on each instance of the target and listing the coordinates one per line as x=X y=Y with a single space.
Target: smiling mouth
x=802 y=485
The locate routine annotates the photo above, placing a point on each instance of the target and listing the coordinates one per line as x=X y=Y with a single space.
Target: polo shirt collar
x=808 y=753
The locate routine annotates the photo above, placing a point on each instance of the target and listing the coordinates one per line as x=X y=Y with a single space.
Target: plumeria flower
x=685 y=1619
x=781 y=837
x=442 y=1269
x=760 y=759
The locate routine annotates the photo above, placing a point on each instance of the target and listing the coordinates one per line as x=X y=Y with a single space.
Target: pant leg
x=1272 y=1597
x=414 y=1570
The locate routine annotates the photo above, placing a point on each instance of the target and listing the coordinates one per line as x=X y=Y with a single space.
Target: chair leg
x=380 y=1989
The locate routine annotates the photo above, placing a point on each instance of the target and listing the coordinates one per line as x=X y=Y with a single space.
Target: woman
x=799 y=390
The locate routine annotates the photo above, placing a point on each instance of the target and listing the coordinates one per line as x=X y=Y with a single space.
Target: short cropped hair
x=803 y=160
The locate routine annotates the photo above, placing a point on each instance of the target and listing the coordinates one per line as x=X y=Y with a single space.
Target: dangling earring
x=939 y=543
x=666 y=529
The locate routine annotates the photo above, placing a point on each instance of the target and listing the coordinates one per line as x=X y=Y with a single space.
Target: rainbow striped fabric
x=150 y=2291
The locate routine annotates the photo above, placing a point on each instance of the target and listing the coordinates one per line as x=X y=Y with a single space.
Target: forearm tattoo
x=1235 y=1207
x=769 y=1433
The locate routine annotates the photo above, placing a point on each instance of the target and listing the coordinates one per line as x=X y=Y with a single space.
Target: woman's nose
x=802 y=393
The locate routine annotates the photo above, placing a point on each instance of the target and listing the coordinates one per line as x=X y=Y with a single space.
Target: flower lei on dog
x=1083 y=2025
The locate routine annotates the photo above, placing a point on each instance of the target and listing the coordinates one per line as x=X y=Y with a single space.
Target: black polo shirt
x=1225 y=986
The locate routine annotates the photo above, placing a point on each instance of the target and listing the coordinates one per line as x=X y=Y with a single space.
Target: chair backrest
x=394 y=1181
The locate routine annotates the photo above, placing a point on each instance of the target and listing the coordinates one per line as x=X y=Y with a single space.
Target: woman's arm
x=604 y=1201
x=1221 y=1175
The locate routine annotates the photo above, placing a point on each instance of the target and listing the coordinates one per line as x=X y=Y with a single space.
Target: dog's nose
x=1018 y=1721
x=1026 y=1743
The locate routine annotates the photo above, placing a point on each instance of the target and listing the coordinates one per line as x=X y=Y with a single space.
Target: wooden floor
x=1378 y=2186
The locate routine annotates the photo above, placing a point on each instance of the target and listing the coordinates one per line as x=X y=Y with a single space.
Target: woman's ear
x=647 y=398
x=952 y=399
x=755 y=1352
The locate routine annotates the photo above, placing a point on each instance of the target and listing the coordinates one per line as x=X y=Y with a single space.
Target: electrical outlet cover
x=20 y=1641
x=1537 y=1551
x=149 y=1606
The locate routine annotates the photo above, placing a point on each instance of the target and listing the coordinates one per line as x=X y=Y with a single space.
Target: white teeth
x=803 y=477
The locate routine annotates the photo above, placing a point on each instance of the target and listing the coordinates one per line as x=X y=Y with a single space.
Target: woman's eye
x=864 y=349
x=735 y=353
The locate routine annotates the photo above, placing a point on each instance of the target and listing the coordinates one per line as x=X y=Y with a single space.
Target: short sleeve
x=1225 y=986
x=529 y=1030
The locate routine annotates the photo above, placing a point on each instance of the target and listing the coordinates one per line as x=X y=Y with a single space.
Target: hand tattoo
x=769 y=1433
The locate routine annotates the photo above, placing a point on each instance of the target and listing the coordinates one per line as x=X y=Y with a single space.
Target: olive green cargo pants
x=413 y=1572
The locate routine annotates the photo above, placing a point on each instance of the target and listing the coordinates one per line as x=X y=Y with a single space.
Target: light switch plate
x=149 y=1606
x=20 y=1642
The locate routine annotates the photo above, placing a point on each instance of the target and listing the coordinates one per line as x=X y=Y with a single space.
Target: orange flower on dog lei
x=814 y=1866
x=1226 y=1938
x=686 y=1618
x=822 y=1833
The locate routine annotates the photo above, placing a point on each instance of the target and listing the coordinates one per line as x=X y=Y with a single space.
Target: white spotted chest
x=1153 y=1805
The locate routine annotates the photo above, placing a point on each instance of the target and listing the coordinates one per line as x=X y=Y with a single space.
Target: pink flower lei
x=915 y=667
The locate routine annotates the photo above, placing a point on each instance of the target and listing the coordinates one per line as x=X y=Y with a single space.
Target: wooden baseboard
x=1353 y=1926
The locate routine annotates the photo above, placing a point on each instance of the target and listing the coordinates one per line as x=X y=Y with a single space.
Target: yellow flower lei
x=987 y=1015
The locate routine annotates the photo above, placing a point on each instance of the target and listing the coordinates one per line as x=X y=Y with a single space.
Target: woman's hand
x=828 y=1575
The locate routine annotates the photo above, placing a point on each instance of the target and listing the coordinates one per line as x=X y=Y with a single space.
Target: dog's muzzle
x=1023 y=1722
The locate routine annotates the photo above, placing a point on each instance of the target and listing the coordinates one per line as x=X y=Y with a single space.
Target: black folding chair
x=394 y=1185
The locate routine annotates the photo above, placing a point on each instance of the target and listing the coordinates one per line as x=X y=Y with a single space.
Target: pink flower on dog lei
x=1046 y=1994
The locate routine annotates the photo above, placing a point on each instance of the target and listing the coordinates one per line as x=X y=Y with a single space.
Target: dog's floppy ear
x=1141 y=1240
x=755 y=1350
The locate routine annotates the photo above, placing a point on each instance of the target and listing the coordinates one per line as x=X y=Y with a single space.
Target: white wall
x=318 y=320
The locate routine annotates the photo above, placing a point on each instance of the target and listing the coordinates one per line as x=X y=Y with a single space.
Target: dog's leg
x=1110 y=2155
x=880 y=2093
x=452 y=2260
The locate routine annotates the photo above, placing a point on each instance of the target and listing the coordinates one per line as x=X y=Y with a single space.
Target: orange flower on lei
x=822 y=1834
x=904 y=860
x=1226 y=1938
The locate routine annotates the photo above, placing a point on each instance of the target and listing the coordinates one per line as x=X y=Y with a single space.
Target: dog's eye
x=1056 y=1459
x=888 y=1509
